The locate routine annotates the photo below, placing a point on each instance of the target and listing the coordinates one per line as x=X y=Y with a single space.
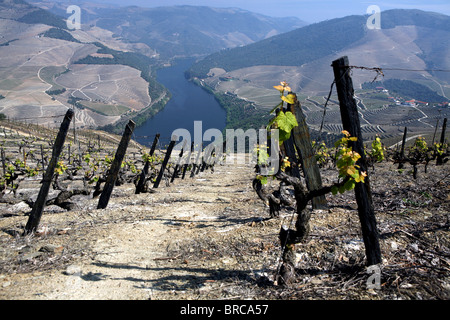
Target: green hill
x=22 y=11
x=185 y=30
x=319 y=40
x=292 y=48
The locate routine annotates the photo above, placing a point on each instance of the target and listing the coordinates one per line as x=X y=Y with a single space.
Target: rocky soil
x=209 y=237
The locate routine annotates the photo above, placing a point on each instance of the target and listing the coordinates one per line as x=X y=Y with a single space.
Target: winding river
x=189 y=103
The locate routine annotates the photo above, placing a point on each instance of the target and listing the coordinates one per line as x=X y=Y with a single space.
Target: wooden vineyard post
x=179 y=162
x=165 y=162
x=38 y=207
x=196 y=163
x=302 y=141
x=43 y=161
x=440 y=160
x=188 y=160
x=3 y=162
x=435 y=130
x=142 y=177
x=351 y=123
x=402 y=151
x=207 y=156
x=290 y=153
x=113 y=171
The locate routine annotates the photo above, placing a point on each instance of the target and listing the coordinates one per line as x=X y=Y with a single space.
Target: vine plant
x=421 y=153
x=349 y=175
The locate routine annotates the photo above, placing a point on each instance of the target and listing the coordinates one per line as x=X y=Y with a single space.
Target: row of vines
x=83 y=165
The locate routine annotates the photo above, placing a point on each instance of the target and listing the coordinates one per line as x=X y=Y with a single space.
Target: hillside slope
x=409 y=39
x=41 y=75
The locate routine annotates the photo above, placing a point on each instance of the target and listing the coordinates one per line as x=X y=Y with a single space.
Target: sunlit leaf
x=279 y=88
x=286 y=121
x=290 y=99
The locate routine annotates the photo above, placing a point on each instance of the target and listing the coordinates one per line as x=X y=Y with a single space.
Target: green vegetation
x=408 y=89
x=105 y=109
x=2 y=116
x=55 y=92
x=43 y=16
x=75 y=102
x=131 y=59
x=5 y=44
x=241 y=114
x=60 y=34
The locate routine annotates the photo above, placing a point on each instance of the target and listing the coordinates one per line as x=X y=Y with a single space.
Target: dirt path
x=127 y=247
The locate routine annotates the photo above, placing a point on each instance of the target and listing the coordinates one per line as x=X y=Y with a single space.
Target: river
x=189 y=103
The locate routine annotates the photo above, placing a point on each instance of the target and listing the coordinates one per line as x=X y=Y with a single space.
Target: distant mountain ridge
x=318 y=40
x=407 y=40
x=181 y=30
x=292 y=48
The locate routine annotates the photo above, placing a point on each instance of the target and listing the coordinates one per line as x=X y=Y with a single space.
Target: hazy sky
x=308 y=10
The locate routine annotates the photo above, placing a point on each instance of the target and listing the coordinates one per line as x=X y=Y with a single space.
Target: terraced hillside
x=40 y=78
x=209 y=237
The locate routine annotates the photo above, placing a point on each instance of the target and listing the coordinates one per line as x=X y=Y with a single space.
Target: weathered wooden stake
x=440 y=160
x=302 y=141
x=188 y=160
x=180 y=157
x=289 y=148
x=3 y=162
x=144 y=173
x=196 y=163
x=113 y=171
x=74 y=127
x=207 y=156
x=165 y=162
x=38 y=207
x=435 y=131
x=43 y=161
x=402 y=151
x=351 y=123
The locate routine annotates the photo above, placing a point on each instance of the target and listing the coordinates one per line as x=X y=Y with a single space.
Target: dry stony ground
x=208 y=237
